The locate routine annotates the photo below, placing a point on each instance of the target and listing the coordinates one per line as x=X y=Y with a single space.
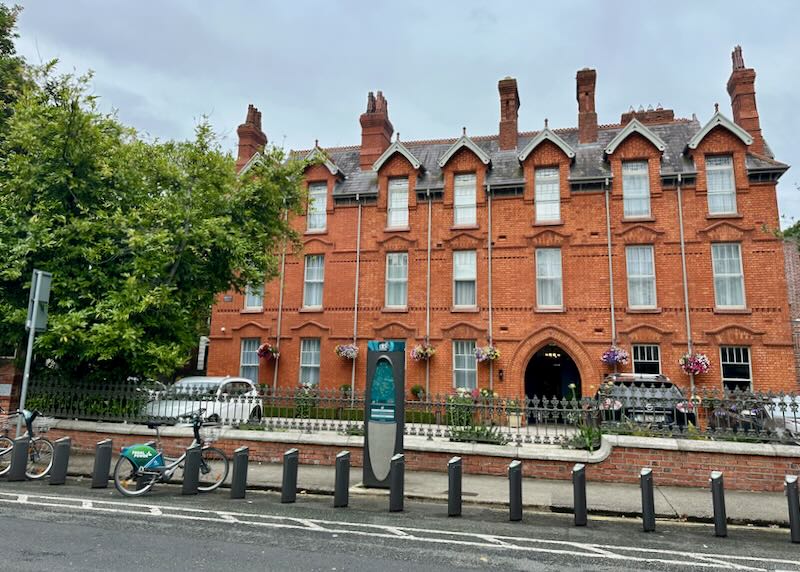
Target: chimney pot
x=376 y=130
x=742 y=89
x=587 y=117
x=251 y=138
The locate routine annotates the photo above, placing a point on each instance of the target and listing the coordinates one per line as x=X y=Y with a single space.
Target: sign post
x=35 y=322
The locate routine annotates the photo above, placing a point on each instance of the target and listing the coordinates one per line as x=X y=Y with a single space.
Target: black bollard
x=648 y=502
x=341 y=490
x=718 y=500
x=454 y=472
x=790 y=483
x=579 y=494
x=239 y=480
x=191 y=470
x=515 y=490
x=397 y=470
x=19 y=459
x=58 y=474
x=289 y=485
x=102 y=464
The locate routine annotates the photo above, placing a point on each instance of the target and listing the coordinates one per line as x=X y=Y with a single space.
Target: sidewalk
x=680 y=503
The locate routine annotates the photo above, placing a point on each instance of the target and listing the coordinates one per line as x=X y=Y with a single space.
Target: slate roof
x=505 y=169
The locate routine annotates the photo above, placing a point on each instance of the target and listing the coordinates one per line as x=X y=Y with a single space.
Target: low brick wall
x=746 y=466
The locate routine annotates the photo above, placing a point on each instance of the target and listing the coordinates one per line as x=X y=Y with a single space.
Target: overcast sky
x=309 y=65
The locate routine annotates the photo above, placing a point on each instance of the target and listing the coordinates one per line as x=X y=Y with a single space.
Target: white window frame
x=547 y=194
x=467 y=346
x=399 y=281
x=317 y=216
x=313 y=280
x=648 y=350
x=306 y=351
x=716 y=165
x=397 y=203
x=253 y=294
x=723 y=350
x=632 y=172
x=651 y=277
x=465 y=193
x=543 y=277
x=465 y=277
x=728 y=276
x=248 y=358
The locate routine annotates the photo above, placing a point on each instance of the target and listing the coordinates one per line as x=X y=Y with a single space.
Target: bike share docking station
x=384 y=410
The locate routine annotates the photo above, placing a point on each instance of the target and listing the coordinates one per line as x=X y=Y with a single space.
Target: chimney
x=587 y=117
x=509 y=107
x=251 y=138
x=376 y=130
x=742 y=89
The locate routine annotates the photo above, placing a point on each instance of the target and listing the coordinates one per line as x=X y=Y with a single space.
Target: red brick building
x=522 y=239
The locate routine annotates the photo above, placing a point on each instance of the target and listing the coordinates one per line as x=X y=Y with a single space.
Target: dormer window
x=398 y=203
x=464 y=200
x=720 y=183
x=317 y=203
x=635 y=189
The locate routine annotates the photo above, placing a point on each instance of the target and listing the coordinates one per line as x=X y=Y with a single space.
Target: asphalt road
x=75 y=528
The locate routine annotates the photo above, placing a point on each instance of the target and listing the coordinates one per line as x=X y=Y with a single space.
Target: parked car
x=644 y=398
x=773 y=418
x=225 y=399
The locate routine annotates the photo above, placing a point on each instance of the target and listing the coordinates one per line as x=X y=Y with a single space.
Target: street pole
x=29 y=353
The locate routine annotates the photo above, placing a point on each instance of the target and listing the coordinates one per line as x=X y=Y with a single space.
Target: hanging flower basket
x=347 y=351
x=487 y=353
x=422 y=352
x=615 y=355
x=696 y=364
x=267 y=351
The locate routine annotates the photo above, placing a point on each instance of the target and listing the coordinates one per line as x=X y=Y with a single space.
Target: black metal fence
x=638 y=410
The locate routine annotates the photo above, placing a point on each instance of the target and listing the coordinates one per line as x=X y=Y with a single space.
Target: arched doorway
x=550 y=372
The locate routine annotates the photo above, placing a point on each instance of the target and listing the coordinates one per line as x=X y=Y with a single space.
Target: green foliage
x=459 y=411
x=12 y=66
x=478 y=434
x=140 y=235
x=418 y=392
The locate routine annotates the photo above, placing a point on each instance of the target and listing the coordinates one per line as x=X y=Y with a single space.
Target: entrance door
x=550 y=372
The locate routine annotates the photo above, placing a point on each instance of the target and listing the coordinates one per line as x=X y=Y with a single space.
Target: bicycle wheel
x=127 y=480
x=40 y=458
x=213 y=469
x=6 y=445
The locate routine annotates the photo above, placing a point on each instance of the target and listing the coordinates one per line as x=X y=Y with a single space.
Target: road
x=73 y=527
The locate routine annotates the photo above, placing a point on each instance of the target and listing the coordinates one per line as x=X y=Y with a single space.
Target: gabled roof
x=256 y=158
x=546 y=135
x=719 y=120
x=469 y=144
x=317 y=152
x=635 y=126
x=396 y=147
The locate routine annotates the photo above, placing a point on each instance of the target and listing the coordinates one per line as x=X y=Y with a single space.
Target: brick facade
x=583 y=328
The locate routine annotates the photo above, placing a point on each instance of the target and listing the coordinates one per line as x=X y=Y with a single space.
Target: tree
x=12 y=66
x=140 y=235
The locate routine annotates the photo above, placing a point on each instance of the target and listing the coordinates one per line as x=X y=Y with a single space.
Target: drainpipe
x=610 y=267
x=428 y=300
x=685 y=280
x=489 y=199
x=280 y=311
x=355 y=302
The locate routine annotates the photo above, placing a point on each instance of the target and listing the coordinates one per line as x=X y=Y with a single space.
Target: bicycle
x=139 y=467
x=40 y=449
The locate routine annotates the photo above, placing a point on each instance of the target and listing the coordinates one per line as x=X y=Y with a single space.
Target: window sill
x=311 y=309
x=643 y=310
x=395 y=309
x=723 y=215
x=639 y=219
x=733 y=311
x=252 y=311
x=397 y=229
x=465 y=227
x=465 y=309
x=548 y=223
x=560 y=310
x=316 y=231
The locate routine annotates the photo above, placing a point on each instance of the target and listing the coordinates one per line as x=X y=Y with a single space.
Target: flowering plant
x=268 y=351
x=488 y=394
x=347 y=351
x=694 y=363
x=615 y=355
x=422 y=352
x=487 y=353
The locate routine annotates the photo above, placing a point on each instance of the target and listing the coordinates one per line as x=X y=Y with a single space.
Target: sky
x=308 y=66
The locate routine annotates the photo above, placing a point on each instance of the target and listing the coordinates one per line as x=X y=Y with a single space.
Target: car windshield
x=645 y=389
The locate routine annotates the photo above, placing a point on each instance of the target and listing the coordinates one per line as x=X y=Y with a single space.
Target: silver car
x=229 y=400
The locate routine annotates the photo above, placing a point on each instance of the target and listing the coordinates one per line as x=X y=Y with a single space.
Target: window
x=548 y=196
x=248 y=362
x=314 y=278
x=398 y=203
x=396 y=279
x=465 y=366
x=464 y=199
x=646 y=358
x=641 y=277
x=309 y=361
x=464 y=278
x=728 y=280
x=548 y=278
x=736 y=372
x=721 y=188
x=317 y=202
x=635 y=189
x=254 y=297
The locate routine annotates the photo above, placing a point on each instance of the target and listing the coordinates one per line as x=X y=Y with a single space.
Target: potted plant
x=267 y=351
x=487 y=353
x=422 y=352
x=694 y=364
x=418 y=392
x=615 y=355
x=513 y=413
x=347 y=351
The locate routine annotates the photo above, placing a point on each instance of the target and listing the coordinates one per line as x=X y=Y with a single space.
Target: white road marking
x=497 y=542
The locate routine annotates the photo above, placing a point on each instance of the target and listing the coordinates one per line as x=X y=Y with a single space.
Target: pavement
x=610 y=499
